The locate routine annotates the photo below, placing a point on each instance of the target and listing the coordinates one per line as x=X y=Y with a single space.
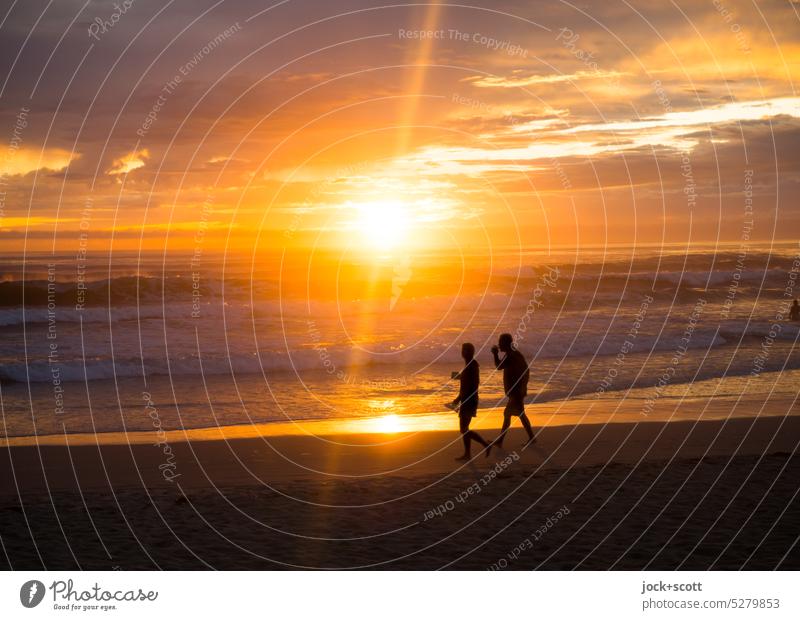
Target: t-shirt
x=515 y=374
x=470 y=378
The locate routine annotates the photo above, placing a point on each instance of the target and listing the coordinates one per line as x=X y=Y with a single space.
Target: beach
x=257 y=431
x=681 y=489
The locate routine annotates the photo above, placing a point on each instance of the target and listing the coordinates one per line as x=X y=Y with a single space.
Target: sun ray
x=416 y=81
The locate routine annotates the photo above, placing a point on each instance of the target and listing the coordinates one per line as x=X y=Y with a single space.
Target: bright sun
x=384 y=224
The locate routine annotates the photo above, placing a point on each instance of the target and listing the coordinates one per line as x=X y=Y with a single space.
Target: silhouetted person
x=515 y=383
x=467 y=400
x=794 y=312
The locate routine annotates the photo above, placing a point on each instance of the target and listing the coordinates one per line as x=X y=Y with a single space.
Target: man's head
x=506 y=343
x=467 y=351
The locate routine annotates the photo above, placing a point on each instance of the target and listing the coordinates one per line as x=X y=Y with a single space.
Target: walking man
x=515 y=383
x=467 y=400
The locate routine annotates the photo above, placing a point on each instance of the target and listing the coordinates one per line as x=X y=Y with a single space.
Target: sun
x=384 y=224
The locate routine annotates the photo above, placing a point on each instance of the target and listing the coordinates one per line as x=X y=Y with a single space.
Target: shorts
x=514 y=407
x=468 y=411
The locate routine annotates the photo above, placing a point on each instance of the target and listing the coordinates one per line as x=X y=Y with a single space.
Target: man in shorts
x=515 y=383
x=467 y=400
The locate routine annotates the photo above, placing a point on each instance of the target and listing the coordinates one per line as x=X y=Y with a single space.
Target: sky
x=378 y=127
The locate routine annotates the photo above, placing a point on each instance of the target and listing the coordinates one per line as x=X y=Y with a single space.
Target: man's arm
x=498 y=363
x=461 y=376
x=461 y=395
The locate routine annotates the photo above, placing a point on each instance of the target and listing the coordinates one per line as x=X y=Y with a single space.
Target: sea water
x=252 y=339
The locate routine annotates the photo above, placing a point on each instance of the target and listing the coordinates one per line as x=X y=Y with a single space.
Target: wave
x=31 y=316
x=326 y=359
x=693 y=279
x=122 y=290
x=333 y=359
x=604 y=281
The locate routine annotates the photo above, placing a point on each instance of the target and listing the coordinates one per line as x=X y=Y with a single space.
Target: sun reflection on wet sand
x=391 y=423
x=394 y=424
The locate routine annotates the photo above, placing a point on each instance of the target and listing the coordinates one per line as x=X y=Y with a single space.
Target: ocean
x=130 y=341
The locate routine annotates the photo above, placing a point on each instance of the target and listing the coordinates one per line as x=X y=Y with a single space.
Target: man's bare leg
x=464 y=429
x=526 y=423
x=506 y=423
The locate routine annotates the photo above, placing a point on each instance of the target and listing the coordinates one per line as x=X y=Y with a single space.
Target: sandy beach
x=691 y=493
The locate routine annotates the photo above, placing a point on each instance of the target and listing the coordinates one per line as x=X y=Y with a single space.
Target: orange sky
x=371 y=129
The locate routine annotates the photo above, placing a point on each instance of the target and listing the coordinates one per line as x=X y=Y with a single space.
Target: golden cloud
x=24 y=160
x=130 y=162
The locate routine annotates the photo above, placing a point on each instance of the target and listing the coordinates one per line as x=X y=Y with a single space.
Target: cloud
x=23 y=223
x=25 y=160
x=130 y=162
x=493 y=81
x=677 y=131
